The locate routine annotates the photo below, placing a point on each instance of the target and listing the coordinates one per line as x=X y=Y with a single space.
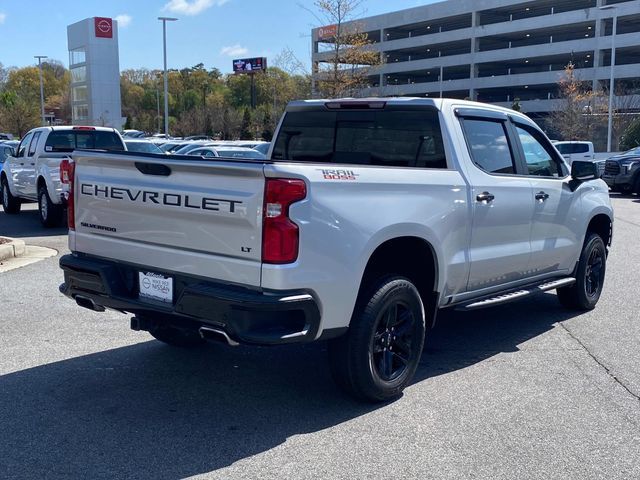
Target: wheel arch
x=410 y=256
x=601 y=224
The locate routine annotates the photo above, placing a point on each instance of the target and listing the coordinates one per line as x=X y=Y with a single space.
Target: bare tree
x=350 y=54
x=575 y=115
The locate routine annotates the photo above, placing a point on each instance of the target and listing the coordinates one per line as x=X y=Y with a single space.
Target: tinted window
x=540 y=160
x=34 y=144
x=69 y=140
x=489 y=146
x=389 y=137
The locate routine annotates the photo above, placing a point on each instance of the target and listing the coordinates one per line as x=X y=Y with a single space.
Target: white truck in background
x=33 y=173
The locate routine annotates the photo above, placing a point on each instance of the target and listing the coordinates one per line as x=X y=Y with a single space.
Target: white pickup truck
x=369 y=216
x=33 y=173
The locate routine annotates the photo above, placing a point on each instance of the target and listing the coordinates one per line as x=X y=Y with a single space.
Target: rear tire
x=50 y=213
x=176 y=337
x=378 y=356
x=10 y=204
x=636 y=185
x=585 y=293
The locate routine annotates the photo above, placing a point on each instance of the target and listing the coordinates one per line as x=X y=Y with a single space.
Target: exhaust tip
x=216 y=335
x=88 y=303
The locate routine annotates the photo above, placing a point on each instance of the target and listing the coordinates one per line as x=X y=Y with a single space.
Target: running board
x=516 y=294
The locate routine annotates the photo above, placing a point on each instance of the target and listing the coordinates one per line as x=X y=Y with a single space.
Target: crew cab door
x=501 y=202
x=17 y=165
x=29 y=169
x=554 y=227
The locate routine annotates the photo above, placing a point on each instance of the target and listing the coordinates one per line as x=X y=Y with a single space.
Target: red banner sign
x=329 y=31
x=104 y=27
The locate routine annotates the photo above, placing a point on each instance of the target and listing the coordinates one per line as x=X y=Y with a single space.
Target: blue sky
x=208 y=31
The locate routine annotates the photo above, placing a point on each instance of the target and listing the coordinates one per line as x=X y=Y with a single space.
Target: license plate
x=156 y=287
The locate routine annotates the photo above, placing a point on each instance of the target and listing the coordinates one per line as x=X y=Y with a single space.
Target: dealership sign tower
x=95 y=72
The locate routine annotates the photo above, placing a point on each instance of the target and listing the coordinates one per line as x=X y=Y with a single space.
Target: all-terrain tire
x=585 y=293
x=378 y=356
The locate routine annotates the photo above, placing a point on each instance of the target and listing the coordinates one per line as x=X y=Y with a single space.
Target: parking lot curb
x=11 y=249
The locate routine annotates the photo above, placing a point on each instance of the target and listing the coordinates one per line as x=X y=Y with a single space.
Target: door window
x=23 y=145
x=34 y=144
x=538 y=156
x=489 y=146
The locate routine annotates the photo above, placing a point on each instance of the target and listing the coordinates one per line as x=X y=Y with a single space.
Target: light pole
x=611 y=80
x=166 y=85
x=40 y=57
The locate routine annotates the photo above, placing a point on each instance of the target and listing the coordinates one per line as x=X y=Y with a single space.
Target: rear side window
x=488 y=145
x=69 y=140
x=397 y=138
x=34 y=144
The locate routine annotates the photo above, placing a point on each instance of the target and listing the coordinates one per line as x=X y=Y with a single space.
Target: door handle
x=542 y=196
x=485 y=197
x=33 y=164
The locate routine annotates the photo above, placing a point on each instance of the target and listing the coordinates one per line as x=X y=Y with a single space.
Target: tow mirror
x=584 y=171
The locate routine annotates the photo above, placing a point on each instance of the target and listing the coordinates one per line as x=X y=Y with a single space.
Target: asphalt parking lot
x=527 y=390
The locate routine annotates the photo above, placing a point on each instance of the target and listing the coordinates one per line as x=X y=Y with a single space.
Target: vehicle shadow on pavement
x=27 y=224
x=152 y=411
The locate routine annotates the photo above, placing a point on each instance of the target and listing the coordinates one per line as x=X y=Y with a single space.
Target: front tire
x=50 y=213
x=585 y=293
x=10 y=204
x=379 y=355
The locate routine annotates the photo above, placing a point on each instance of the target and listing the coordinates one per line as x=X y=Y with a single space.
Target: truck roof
x=438 y=103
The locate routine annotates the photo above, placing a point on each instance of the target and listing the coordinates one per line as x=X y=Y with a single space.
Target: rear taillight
x=67 y=172
x=280 y=236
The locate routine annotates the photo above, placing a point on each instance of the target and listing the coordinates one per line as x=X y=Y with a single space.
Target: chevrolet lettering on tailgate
x=159 y=198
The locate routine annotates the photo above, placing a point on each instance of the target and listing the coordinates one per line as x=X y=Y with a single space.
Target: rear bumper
x=247 y=316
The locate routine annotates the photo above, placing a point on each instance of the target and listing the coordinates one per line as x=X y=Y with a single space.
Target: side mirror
x=584 y=171
x=12 y=152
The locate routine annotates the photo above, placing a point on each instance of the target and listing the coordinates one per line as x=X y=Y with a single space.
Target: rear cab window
x=393 y=137
x=69 y=140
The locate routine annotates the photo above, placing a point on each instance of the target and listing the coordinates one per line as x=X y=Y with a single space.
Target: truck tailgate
x=176 y=215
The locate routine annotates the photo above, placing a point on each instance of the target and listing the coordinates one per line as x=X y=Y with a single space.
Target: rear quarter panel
x=342 y=222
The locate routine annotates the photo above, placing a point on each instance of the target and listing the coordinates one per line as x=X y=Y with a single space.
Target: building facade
x=497 y=50
x=95 y=72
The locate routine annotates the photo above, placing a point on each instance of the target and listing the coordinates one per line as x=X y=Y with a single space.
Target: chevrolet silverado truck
x=367 y=217
x=33 y=173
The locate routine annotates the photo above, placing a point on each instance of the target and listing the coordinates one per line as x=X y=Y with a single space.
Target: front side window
x=488 y=145
x=398 y=138
x=540 y=161
x=22 y=148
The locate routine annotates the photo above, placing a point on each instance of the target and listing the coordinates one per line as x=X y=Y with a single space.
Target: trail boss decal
x=159 y=198
x=338 y=174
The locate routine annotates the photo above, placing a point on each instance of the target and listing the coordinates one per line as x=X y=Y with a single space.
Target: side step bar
x=510 y=296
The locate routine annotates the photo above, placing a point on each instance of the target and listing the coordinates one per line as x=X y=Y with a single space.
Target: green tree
x=246 y=132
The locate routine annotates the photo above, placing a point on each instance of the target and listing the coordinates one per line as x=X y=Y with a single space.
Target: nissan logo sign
x=103 y=27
